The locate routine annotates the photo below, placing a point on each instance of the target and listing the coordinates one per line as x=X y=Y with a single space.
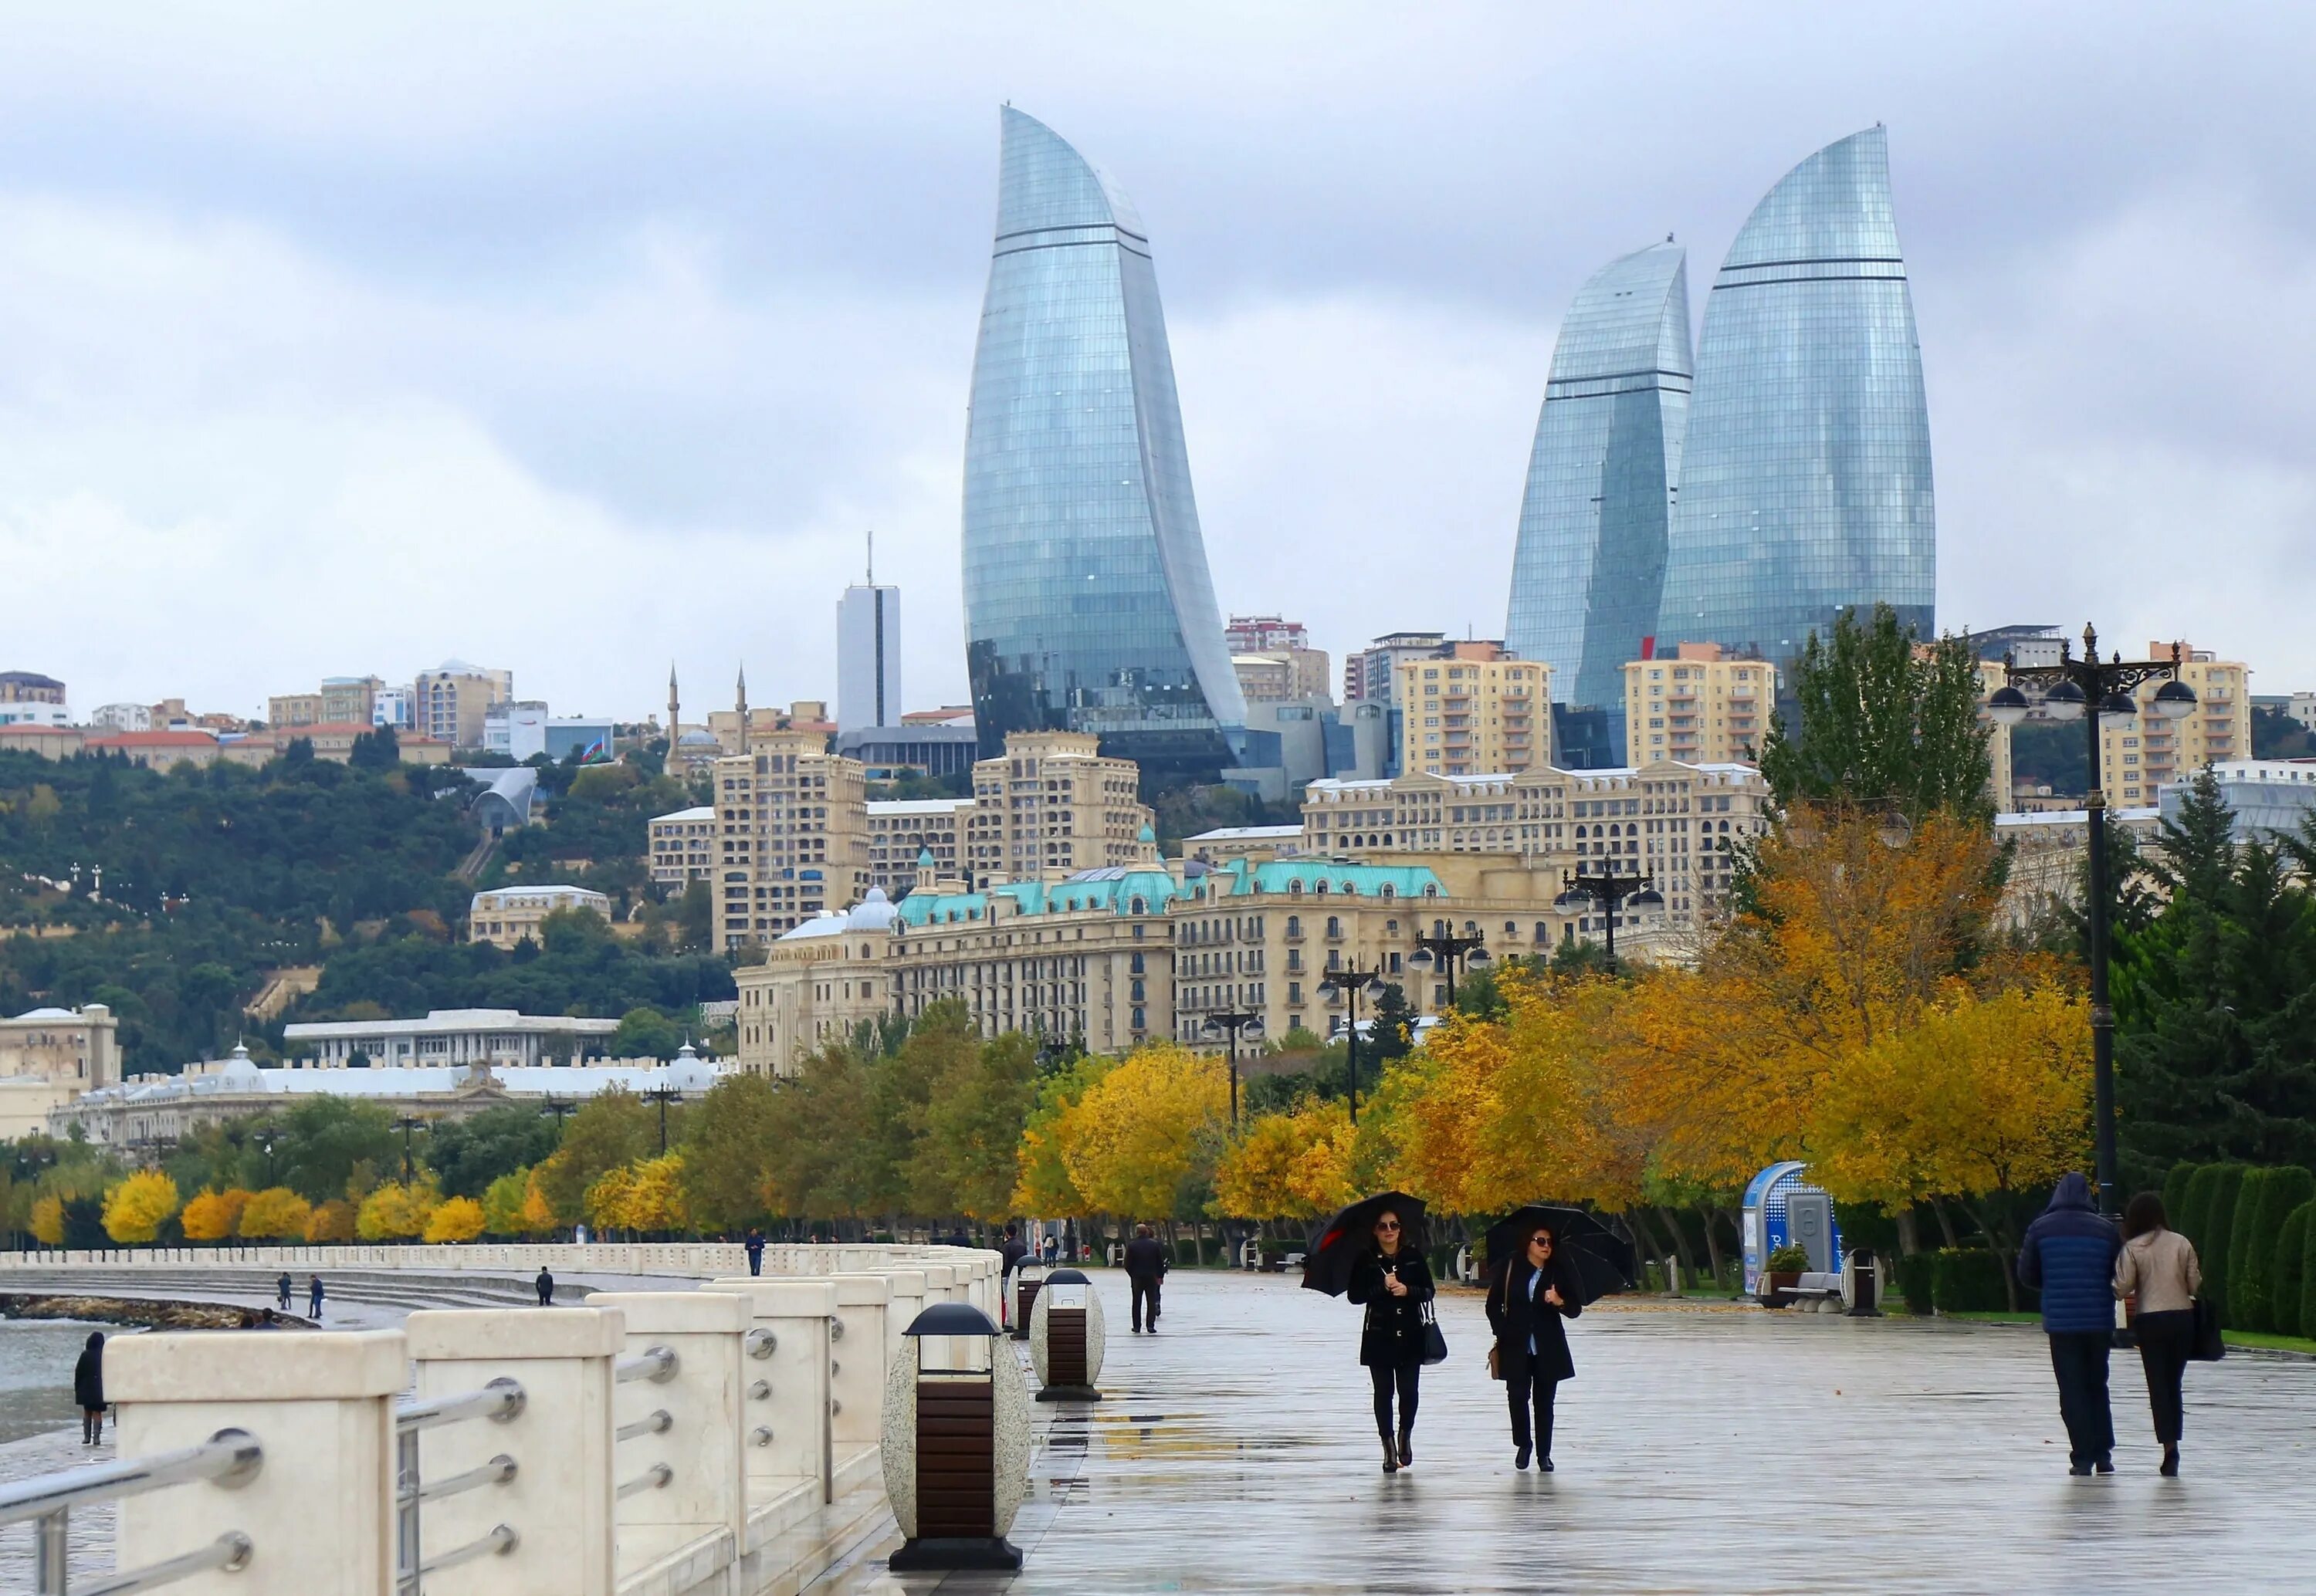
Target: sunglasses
x=1388 y=1225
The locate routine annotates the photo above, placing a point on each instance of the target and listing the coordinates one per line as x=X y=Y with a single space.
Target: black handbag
x=1435 y=1345
x=2209 y=1346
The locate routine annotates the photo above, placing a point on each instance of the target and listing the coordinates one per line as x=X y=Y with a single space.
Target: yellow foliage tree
x=538 y=1212
x=333 y=1222
x=1292 y=1165
x=502 y=1203
x=275 y=1214
x=654 y=1199
x=1135 y=1137
x=608 y=1200
x=1043 y=1184
x=458 y=1219
x=212 y=1216
x=48 y=1221
x=136 y=1208
x=395 y=1212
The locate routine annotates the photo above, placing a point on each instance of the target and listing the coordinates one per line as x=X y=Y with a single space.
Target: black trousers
x=92 y=1425
x=755 y=1261
x=1519 y=1390
x=2079 y=1360
x=2164 y=1341
x=1384 y=1378
x=1146 y=1291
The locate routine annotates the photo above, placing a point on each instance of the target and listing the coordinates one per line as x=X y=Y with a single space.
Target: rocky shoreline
x=147 y=1313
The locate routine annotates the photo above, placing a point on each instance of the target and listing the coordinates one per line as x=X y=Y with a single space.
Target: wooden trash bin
x=955 y=1444
x=1025 y=1297
x=1066 y=1339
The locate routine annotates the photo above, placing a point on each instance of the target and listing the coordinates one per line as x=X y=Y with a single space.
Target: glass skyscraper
x=1589 y=571
x=1806 y=476
x=1088 y=605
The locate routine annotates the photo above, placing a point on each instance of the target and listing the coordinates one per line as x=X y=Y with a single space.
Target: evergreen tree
x=1393 y=1017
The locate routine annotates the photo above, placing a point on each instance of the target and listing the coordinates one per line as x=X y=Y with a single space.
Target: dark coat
x=1515 y=1319
x=1011 y=1255
x=1393 y=1337
x=755 y=1245
x=88 y=1375
x=1145 y=1258
x=2069 y=1255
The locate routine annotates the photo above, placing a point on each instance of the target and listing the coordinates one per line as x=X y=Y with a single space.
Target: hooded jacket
x=2069 y=1255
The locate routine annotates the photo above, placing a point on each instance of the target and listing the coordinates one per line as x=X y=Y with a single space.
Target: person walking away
x=1528 y=1299
x=2159 y=1273
x=315 y=1311
x=1393 y=1283
x=88 y=1388
x=283 y=1288
x=2070 y=1256
x=1145 y=1267
x=545 y=1284
x=755 y=1245
x=1009 y=1255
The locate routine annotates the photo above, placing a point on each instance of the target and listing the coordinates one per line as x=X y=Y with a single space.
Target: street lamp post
x=1234 y=1022
x=1609 y=890
x=2068 y=688
x=662 y=1095
x=1449 y=952
x=406 y=1124
x=1351 y=983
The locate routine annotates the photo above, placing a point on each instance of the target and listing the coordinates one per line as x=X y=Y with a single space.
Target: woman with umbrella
x=1389 y=1276
x=1527 y=1299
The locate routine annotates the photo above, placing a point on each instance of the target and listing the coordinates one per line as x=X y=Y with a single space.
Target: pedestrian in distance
x=1527 y=1299
x=2070 y=1256
x=1053 y=1247
x=1145 y=1267
x=2159 y=1273
x=1393 y=1283
x=88 y=1388
x=314 y=1312
x=1011 y=1255
x=755 y=1245
x=545 y=1284
x=283 y=1288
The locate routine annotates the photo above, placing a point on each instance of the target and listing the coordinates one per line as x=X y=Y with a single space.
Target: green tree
x=326 y=1143
x=2227 y=1191
x=2290 y=1276
x=611 y=1128
x=647 y=1034
x=728 y=1149
x=695 y=918
x=1392 y=1036
x=468 y=1154
x=972 y=1122
x=1885 y=720
x=2261 y=1212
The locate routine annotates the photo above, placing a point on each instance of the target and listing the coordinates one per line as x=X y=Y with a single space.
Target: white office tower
x=867 y=656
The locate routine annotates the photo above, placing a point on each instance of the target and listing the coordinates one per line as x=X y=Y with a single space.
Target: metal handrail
x=498 y=1471
x=228 y=1551
x=230 y=1458
x=653 y=1478
x=501 y=1540
x=500 y=1401
x=658 y=1423
x=656 y=1364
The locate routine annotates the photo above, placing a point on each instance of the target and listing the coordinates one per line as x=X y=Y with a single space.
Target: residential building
x=505 y=915
x=350 y=698
x=1087 y=603
x=157 y=751
x=293 y=709
x=791 y=822
x=806 y=715
x=1804 y=485
x=330 y=740
x=683 y=847
x=495 y=1036
x=34 y=711
x=50 y=1055
x=1470 y=707
x=50 y=742
x=30 y=686
x=867 y=656
x=1372 y=674
x=1588 y=572
x=451 y=701
x=121 y=717
x=1257 y=634
x=1244 y=842
x=913 y=748
x=1264 y=678
x=1054 y=803
x=2302 y=708
x=1699 y=705
x=2138 y=754
x=392 y=706
x=2047 y=850
x=904 y=832
x=2270 y=798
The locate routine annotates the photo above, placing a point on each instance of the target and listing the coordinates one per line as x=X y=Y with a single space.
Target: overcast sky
x=572 y=339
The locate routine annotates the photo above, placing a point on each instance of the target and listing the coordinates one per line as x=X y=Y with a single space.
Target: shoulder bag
x=1435 y=1345
x=2209 y=1347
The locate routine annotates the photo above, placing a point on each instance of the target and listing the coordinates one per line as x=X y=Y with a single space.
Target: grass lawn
x=2236 y=1338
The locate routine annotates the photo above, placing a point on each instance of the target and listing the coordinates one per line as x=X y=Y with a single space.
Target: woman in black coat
x=1526 y=1301
x=1394 y=1283
x=88 y=1388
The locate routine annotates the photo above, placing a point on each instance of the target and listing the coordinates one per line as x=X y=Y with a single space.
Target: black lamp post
x=2068 y=688
x=406 y=1124
x=662 y=1095
x=1351 y=983
x=1234 y=1022
x=1609 y=890
x=1449 y=952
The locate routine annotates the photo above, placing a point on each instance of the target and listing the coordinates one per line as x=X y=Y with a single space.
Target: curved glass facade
x=1806 y=476
x=1088 y=605
x=1588 y=572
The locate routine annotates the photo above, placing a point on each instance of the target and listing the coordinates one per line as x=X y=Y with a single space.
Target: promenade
x=1699 y=1450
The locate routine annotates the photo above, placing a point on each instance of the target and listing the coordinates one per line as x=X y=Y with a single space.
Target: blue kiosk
x=1782 y=1206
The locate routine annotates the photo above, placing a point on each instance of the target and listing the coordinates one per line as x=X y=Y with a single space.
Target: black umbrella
x=1337 y=1245
x=1603 y=1261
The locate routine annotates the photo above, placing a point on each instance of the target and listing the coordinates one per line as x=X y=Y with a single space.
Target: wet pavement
x=1699 y=1449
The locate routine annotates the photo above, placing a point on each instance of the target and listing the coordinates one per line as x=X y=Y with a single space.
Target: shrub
x=2190 y=1218
x=459 y=1218
x=2288 y=1283
x=1914 y=1283
x=2175 y=1193
x=1967 y=1279
x=2308 y=1281
x=333 y=1222
x=275 y=1214
x=2220 y=1223
x=1793 y=1258
x=2260 y=1213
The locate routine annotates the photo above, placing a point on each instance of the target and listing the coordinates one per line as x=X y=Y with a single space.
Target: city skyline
x=304 y=337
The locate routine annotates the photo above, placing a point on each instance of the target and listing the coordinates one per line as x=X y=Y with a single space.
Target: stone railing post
x=319 y=1511
x=706 y=1492
x=858 y=1361
x=940 y=1286
x=560 y=1501
x=909 y=1299
x=785 y=1415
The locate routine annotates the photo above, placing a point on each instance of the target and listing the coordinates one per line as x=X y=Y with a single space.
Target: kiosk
x=1781 y=1207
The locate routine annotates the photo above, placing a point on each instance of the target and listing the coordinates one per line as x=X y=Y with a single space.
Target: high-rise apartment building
x=1469 y=707
x=791 y=835
x=293 y=709
x=1372 y=674
x=1053 y=802
x=1700 y=705
x=1804 y=485
x=1259 y=634
x=868 y=656
x=349 y=700
x=1087 y=603
x=902 y=832
x=448 y=702
x=2140 y=753
x=1589 y=571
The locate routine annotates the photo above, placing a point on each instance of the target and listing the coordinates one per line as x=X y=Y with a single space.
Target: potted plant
x=1781 y=1273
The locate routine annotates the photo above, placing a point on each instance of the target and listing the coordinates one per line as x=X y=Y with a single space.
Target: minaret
x=743 y=709
x=674 y=716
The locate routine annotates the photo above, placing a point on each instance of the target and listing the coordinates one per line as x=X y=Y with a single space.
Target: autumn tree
x=458 y=1218
x=331 y=1221
x=1293 y=1164
x=1042 y=1181
x=136 y=1209
x=611 y=1128
x=213 y=1215
x=274 y=1214
x=502 y=1203
x=1133 y=1140
x=397 y=1212
x=729 y=1147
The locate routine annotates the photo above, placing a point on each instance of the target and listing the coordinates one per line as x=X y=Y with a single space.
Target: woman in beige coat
x=2158 y=1266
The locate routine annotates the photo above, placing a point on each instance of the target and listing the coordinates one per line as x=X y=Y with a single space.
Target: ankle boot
x=1406 y=1445
x=1390 y=1454
x=2170 y=1457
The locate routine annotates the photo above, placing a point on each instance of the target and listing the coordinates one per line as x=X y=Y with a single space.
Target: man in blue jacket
x=2069 y=1255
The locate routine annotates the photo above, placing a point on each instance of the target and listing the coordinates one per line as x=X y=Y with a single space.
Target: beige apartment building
x=903 y=829
x=30 y=686
x=293 y=709
x=791 y=835
x=50 y=1055
x=2139 y=754
x=448 y=702
x=505 y=915
x=683 y=847
x=1284 y=675
x=2001 y=780
x=350 y=699
x=1702 y=705
x=1471 y=708
x=1053 y=803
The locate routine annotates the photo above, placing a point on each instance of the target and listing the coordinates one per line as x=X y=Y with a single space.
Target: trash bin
x=1025 y=1295
x=955 y=1444
x=1861 y=1283
x=1066 y=1338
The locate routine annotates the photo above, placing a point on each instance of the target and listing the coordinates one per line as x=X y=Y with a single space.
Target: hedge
x=2174 y=1195
x=2289 y=1285
x=1967 y=1279
x=1915 y=1271
x=2188 y=1218
x=2220 y=1223
x=2269 y=1196
x=2308 y=1281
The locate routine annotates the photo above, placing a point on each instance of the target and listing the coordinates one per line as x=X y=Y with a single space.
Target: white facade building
x=517 y=729
x=449 y=1036
x=121 y=717
x=23 y=711
x=868 y=656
